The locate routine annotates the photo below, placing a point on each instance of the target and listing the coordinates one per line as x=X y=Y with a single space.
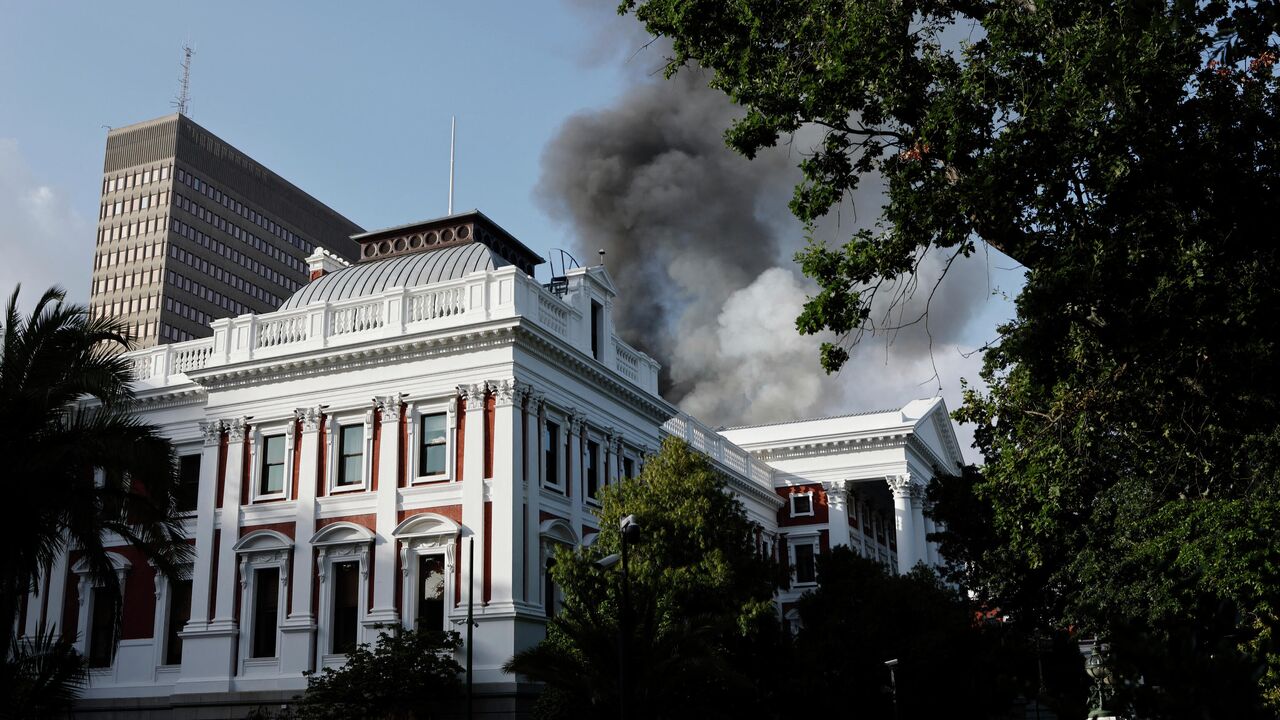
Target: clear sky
x=349 y=101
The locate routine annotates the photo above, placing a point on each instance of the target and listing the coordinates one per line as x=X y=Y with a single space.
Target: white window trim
x=558 y=483
x=792 y=500
x=338 y=543
x=337 y=421
x=84 y=590
x=258 y=459
x=449 y=408
x=602 y=473
x=552 y=533
x=261 y=549
x=794 y=541
x=425 y=534
x=163 y=609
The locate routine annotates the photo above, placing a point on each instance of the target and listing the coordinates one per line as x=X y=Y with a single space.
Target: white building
x=347 y=452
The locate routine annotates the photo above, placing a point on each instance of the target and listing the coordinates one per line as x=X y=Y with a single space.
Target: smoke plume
x=699 y=241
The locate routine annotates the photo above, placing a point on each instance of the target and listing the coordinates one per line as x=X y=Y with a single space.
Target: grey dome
x=415 y=270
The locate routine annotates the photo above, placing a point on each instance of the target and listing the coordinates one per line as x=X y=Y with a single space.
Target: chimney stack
x=322 y=262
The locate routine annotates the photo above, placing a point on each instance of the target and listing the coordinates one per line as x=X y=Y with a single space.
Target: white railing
x=553 y=315
x=276 y=331
x=358 y=318
x=628 y=361
x=720 y=450
x=436 y=304
x=481 y=297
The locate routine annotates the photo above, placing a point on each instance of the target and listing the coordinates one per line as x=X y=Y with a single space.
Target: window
x=801 y=504
x=430 y=593
x=551 y=443
x=593 y=468
x=431 y=461
x=805 y=563
x=346 y=606
x=351 y=455
x=179 y=614
x=272 y=481
x=102 y=630
x=597 y=330
x=550 y=597
x=628 y=467
x=188 y=483
x=266 y=601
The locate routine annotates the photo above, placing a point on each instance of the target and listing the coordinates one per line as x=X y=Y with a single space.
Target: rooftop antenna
x=184 y=94
x=601 y=252
x=453 y=124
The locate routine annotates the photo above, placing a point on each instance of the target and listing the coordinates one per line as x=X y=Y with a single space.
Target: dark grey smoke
x=684 y=221
x=699 y=241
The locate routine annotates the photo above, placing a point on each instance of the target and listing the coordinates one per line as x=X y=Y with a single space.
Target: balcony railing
x=720 y=450
x=481 y=297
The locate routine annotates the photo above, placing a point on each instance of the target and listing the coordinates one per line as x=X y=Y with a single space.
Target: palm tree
x=78 y=467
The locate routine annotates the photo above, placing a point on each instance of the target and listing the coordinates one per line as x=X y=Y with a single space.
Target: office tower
x=191 y=229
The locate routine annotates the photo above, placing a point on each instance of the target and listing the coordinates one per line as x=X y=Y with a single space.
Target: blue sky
x=350 y=101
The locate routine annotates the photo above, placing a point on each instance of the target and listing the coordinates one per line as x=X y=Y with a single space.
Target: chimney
x=322 y=262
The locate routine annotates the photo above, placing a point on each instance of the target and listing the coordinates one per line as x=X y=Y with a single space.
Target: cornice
x=895 y=440
x=170 y=399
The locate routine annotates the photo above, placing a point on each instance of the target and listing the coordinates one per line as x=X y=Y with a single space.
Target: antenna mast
x=184 y=94
x=453 y=124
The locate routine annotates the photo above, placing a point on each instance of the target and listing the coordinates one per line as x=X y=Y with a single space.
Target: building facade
x=191 y=229
x=349 y=453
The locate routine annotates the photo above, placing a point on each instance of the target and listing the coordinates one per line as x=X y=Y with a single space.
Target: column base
x=208 y=657
x=297 y=644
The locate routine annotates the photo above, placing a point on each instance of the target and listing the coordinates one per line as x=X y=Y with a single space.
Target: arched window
x=553 y=533
x=97 y=611
x=264 y=582
x=428 y=545
x=342 y=567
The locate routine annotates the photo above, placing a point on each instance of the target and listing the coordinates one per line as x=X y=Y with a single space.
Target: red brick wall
x=821 y=512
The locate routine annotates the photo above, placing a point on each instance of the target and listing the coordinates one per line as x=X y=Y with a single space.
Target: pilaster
x=390 y=438
x=473 y=525
x=506 y=491
x=534 y=465
x=837 y=511
x=298 y=631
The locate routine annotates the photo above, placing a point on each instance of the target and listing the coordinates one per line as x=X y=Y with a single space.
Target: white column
x=299 y=629
x=917 y=521
x=202 y=571
x=225 y=587
x=390 y=409
x=473 y=490
x=533 y=496
x=507 y=493
x=837 y=511
x=900 y=486
x=574 y=425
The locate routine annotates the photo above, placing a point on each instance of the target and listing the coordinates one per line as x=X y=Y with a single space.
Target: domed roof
x=370 y=278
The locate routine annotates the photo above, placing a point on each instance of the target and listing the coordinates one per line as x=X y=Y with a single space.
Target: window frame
x=418 y=411
x=258 y=457
x=593 y=464
x=164 y=611
x=259 y=550
x=337 y=421
x=554 y=481
x=792 y=500
x=794 y=542
x=85 y=587
x=342 y=482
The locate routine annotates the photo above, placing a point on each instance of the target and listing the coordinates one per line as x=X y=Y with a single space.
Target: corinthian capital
x=900 y=485
x=505 y=392
x=212 y=432
x=390 y=406
x=309 y=417
x=236 y=428
x=837 y=492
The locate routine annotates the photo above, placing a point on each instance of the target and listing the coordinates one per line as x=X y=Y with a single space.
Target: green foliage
x=1127 y=154
x=41 y=676
x=947 y=659
x=408 y=676
x=65 y=412
x=703 y=626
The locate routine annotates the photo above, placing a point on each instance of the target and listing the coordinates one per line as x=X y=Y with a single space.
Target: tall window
x=431 y=459
x=550 y=597
x=806 y=567
x=346 y=606
x=266 y=603
x=597 y=330
x=188 y=482
x=102 y=628
x=350 y=455
x=593 y=468
x=628 y=467
x=272 y=481
x=551 y=443
x=179 y=614
x=430 y=593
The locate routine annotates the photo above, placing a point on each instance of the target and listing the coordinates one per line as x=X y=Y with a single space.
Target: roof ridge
x=813 y=419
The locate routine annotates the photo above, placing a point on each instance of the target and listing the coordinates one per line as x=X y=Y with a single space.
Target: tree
x=1126 y=154
x=65 y=417
x=41 y=676
x=410 y=675
x=948 y=656
x=703 y=625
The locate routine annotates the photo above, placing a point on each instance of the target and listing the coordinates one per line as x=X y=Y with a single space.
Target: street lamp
x=893 y=684
x=630 y=533
x=1100 y=670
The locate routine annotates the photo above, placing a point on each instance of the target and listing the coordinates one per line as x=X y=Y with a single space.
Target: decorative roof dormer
x=446 y=232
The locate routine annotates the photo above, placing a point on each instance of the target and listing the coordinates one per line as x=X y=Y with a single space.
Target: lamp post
x=1100 y=670
x=630 y=532
x=893 y=684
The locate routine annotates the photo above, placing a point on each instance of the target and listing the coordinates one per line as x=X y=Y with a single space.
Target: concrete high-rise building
x=190 y=229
